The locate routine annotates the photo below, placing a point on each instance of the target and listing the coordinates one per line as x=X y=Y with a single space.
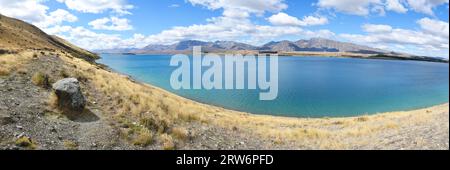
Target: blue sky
x=413 y=26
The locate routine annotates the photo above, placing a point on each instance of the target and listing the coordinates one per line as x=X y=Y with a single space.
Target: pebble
x=21 y=135
x=53 y=130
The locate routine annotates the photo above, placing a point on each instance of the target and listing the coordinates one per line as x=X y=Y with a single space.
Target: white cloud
x=356 y=7
x=174 y=6
x=28 y=10
x=435 y=27
x=396 y=5
x=258 y=7
x=57 y=17
x=372 y=28
x=284 y=19
x=35 y=12
x=431 y=39
x=320 y=33
x=112 y=23
x=88 y=39
x=365 y=7
x=98 y=6
x=426 y=6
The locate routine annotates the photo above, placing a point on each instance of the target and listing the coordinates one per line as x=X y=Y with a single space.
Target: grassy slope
x=150 y=112
x=16 y=35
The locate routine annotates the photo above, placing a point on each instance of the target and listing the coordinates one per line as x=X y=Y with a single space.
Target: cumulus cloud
x=98 y=6
x=287 y=20
x=365 y=7
x=432 y=38
x=57 y=17
x=426 y=6
x=28 y=10
x=372 y=28
x=112 y=23
x=356 y=7
x=258 y=7
x=35 y=12
x=435 y=27
x=396 y=5
x=91 y=40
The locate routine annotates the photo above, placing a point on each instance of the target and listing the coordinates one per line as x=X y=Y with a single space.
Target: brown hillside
x=17 y=35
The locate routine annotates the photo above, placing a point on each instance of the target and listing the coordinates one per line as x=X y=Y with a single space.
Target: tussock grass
x=4 y=72
x=25 y=142
x=180 y=133
x=40 y=79
x=11 y=62
x=143 y=137
x=167 y=142
x=70 y=145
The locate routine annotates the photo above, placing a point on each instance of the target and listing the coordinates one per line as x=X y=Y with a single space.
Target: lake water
x=313 y=86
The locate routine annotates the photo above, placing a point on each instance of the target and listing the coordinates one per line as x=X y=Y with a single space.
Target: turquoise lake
x=313 y=86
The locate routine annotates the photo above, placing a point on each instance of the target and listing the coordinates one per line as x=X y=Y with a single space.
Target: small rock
x=21 y=135
x=53 y=130
x=5 y=119
x=19 y=127
x=69 y=94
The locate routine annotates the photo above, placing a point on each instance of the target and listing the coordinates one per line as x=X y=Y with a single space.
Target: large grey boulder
x=69 y=94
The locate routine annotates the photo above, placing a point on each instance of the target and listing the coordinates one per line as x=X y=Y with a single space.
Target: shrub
x=362 y=119
x=167 y=142
x=155 y=123
x=4 y=72
x=144 y=138
x=25 y=142
x=70 y=145
x=22 y=71
x=40 y=79
x=63 y=74
x=53 y=100
x=3 y=51
x=180 y=133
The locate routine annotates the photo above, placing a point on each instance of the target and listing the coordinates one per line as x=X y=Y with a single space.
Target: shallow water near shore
x=313 y=86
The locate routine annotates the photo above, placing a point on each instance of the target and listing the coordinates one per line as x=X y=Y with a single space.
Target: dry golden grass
x=25 y=142
x=40 y=79
x=70 y=145
x=143 y=137
x=180 y=133
x=13 y=62
x=167 y=142
x=16 y=35
x=52 y=101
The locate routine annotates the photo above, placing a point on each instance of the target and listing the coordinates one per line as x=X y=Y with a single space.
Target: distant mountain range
x=313 y=46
